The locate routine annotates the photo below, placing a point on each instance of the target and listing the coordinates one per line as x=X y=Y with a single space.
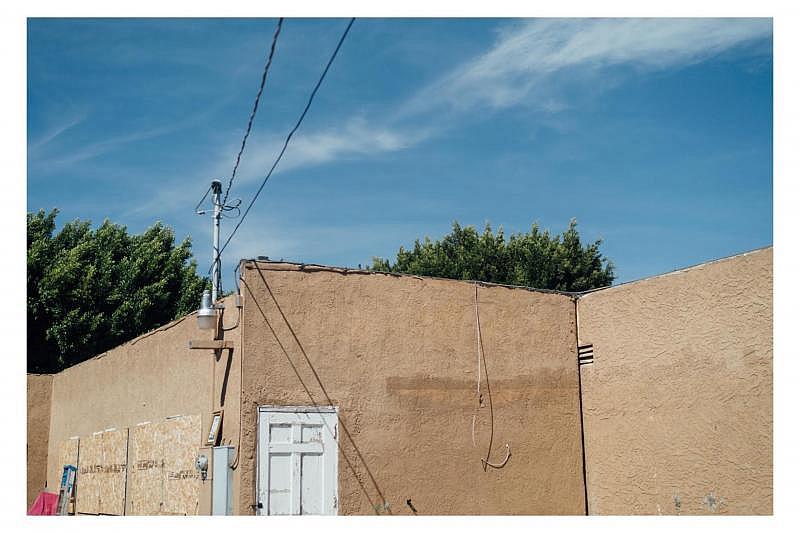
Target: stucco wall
x=39 y=389
x=678 y=402
x=148 y=379
x=398 y=356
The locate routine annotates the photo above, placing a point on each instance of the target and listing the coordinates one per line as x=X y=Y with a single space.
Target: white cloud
x=526 y=59
x=528 y=55
x=55 y=130
x=356 y=138
x=529 y=62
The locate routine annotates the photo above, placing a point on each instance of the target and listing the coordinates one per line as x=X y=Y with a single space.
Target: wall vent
x=585 y=354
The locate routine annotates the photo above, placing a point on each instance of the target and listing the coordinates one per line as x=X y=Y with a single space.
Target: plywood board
x=181 y=437
x=89 y=466
x=68 y=454
x=146 y=479
x=113 y=469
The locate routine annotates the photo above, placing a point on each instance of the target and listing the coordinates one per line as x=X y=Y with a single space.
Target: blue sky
x=655 y=134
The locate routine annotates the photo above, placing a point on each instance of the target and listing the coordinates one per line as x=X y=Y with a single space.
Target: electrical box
x=222 y=480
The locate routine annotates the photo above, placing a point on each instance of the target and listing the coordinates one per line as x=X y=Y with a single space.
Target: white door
x=297 y=461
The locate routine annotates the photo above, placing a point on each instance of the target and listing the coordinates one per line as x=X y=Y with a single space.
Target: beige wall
x=398 y=356
x=39 y=389
x=146 y=380
x=677 y=407
x=678 y=402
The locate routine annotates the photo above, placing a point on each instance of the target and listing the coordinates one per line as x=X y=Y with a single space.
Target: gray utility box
x=222 y=480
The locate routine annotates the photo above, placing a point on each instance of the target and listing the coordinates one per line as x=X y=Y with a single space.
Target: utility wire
x=286 y=142
x=255 y=108
x=197 y=207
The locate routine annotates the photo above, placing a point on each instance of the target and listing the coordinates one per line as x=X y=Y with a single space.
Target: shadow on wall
x=376 y=503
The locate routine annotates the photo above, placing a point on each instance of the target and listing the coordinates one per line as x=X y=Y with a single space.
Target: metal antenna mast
x=219 y=211
x=216 y=273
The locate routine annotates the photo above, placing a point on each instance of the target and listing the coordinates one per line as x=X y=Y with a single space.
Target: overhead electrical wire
x=255 y=108
x=286 y=142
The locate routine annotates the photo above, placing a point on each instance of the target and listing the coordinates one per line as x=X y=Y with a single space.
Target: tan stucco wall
x=398 y=356
x=148 y=379
x=39 y=389
x=678 y=402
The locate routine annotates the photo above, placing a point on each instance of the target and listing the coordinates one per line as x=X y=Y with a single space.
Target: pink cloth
x=45 y=504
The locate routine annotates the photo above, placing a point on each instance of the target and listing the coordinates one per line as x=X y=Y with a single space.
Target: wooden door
x=298 y=461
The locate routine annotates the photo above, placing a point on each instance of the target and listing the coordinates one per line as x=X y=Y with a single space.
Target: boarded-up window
x=102 y=468
x=88 y=496
x=145 y=483
x=113 y=469
x=163 y=479
x=146 y=470
x=181 y=440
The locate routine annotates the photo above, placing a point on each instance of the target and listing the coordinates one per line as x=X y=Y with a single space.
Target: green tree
x=533 y=259
x=89 y=291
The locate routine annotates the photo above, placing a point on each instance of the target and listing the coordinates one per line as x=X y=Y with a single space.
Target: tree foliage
x=90 y=290
x=534 y=259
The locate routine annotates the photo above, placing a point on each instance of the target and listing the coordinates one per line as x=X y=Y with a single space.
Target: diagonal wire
x=286 y=142
x=197 y=207
x=255 y=108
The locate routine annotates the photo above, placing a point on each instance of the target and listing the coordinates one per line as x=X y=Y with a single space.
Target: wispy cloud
x=55 y=130
x=66 y=158
x=528 y=64
x=530 y=59
x=357 y=138
x=47 y=156
x=529 y=55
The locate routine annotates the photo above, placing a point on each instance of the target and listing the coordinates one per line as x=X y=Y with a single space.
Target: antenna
x=219 y=209
x=216 y=274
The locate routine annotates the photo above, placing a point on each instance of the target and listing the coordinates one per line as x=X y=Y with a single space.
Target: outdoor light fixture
x=207 y=315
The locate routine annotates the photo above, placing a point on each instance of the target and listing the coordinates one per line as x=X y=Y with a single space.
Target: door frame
x=322 y=409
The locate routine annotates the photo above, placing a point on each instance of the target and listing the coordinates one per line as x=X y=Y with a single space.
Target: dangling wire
x=236 y=278
x=479 y=351
x=482 y=357
x=232 y=207
x=498 y=465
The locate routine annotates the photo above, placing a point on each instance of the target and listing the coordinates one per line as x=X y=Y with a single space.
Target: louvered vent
x=585 y=354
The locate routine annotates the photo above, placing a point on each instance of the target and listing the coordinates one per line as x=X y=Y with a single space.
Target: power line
x=286 y=142
x=255 y=108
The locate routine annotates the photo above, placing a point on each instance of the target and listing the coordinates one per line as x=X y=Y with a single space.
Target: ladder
x=65 y=491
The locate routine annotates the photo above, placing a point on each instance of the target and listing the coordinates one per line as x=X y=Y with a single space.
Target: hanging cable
x=255 y=108
x=236 y=278
x=479 y=351
x=482 y=357
x=286 y=142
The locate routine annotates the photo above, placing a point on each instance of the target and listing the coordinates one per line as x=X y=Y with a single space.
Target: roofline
x=169 y=325
x=313 y=267
x=676 y=271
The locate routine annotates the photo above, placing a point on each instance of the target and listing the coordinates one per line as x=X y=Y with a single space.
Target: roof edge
x=676 y=271
x=130 y=342
x=313 y=267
